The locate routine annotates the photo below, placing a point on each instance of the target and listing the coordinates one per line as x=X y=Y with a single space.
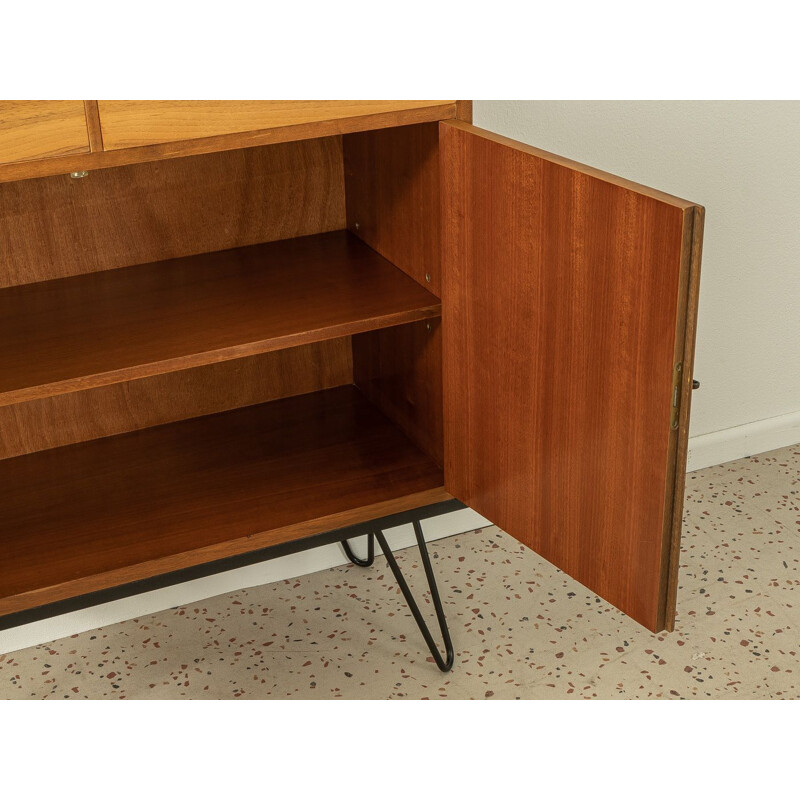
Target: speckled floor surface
x=521 y=628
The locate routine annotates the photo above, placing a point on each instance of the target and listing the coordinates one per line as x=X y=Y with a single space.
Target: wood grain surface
x=94 y=330
x=121 y=407
x=31 y=129
x=80 y=518
x=135 y=123
x=93 y=125
x=464 y=110
x=685 y=348
x=392 y=193
x=366 y=118
x=399 y=369
x=60 y=226
x=562 y=293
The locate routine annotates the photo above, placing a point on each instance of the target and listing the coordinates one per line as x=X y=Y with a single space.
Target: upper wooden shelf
x=134 y=131
x=93 y=330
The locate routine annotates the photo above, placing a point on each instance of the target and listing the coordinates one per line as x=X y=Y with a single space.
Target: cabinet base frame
x=371 y=528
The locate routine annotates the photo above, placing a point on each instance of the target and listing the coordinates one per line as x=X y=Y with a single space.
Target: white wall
x=741 y=160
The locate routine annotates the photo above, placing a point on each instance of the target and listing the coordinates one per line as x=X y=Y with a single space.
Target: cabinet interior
x=216 y=353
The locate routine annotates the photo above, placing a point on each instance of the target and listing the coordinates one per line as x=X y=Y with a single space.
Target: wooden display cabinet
x=231 y=325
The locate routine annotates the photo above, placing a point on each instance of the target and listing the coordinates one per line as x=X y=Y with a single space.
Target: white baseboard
x=278 y=569
x=743 y=440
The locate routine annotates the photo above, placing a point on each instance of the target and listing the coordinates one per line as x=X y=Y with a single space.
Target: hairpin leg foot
x=361 y=562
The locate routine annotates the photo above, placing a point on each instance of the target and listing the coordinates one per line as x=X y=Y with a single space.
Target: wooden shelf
x=81 y=518
x=93 y=330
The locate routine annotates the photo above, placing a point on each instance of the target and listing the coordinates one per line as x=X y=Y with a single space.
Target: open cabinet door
x=570 y=299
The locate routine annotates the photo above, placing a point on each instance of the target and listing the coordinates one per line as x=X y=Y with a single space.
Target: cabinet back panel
x=400 y=370
x=122 y=407
x=60 y=226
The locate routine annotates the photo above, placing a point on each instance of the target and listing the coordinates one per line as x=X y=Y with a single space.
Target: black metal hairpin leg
x=361 y=562
x=444 y=664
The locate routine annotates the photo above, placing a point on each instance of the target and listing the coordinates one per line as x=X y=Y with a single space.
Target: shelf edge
x=178 y=363
x=245 y=544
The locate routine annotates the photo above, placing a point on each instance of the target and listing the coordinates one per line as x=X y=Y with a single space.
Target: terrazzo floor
x=521 y=628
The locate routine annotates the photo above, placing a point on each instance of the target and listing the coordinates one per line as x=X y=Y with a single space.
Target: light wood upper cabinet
x=31 y=129
x=137 y=123
x=42 y=138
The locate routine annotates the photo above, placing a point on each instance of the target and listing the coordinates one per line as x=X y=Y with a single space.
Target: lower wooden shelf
x=85 y=517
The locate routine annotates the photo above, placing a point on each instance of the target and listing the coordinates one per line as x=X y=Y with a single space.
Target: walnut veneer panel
x=393 y=204
x=60 y=226
x=110 y=410
x=565 y=307
x=400 y=370
x=32 y=129
x=85 y=517
x=392 y=195
x=94 y=330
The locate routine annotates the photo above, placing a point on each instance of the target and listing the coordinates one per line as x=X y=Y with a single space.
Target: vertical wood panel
x=59 y=226
x=561 y=312
x=392 y=180
x=93 y=125
x=400 y=370
x=685 y=353
x=464 y=110
x=393 y=204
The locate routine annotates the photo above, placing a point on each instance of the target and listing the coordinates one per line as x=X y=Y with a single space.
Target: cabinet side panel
x=109 y=410
x=400 y=370
x=393 y=204
x=561 y=304
x=60 y=226
x=392 y=187
x=464 y=110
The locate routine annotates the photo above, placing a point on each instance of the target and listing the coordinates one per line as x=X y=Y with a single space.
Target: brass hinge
x=677 y=374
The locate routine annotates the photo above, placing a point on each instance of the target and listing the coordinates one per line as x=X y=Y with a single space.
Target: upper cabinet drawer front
x=136 y=123
x=31 y=129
